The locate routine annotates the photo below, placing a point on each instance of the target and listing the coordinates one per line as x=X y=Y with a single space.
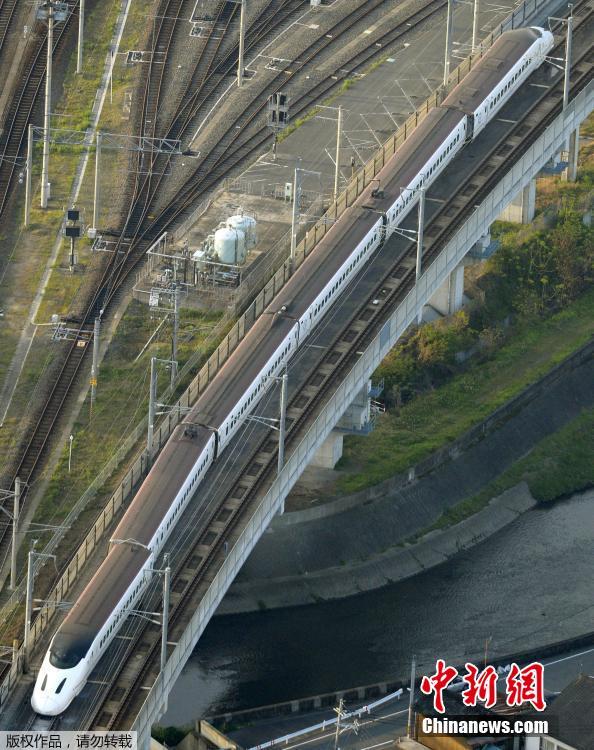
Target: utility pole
x=337 y=164
x=282 y=422
x=29 y=601
x=475 y=17
x=71 y=440
x=15 y=523
x=574 y=149
x=295 y=214
x=175 y=335
x=95 y=365
x=81 y=29
x=448 y=44
x=411 y=698
x=48 y=104
x=240 y=68
x=29 y=175
x=152 y=408
x=28 y=609
x=420 y=228
x=568 y=46
x=339 y=714
x=420 y=231
x=165 y=620
x=96 y=187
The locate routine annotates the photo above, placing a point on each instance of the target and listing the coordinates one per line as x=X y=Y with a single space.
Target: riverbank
x=391 y=566
x=367 y=542
x=527 y=587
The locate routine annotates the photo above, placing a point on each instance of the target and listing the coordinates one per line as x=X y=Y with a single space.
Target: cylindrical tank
x=229 y=245
x=247 y=225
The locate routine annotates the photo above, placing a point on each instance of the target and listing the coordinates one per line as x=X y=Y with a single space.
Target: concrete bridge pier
x=570 y=174
x=358 y=419
x=522 y=208
x=330 y=452
x=449 y=297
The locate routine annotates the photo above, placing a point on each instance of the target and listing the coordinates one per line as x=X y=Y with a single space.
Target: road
x=387 y=722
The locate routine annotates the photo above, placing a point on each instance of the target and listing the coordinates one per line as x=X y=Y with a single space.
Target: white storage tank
x=247 y=225
x=229 y=245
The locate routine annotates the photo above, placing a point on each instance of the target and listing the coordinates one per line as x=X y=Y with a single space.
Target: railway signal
x=73 y=230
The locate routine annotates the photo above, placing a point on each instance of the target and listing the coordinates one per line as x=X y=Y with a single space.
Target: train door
x=469 y=128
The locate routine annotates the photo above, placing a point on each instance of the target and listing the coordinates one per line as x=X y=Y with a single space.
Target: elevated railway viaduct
x=243 y=493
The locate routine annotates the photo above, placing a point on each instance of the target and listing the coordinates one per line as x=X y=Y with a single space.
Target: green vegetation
x=559 y=465
x=122 y=399
x=540 y=279
x=170 y=736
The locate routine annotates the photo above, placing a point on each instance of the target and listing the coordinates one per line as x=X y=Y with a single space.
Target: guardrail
x=286 y=738
x=217 y=359
x=405 y=313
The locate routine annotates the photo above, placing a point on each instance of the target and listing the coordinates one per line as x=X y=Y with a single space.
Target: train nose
x=46 y=705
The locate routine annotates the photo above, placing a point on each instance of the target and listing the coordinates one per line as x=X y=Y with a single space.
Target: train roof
x=495 y=64
x=157 y=492
x=141 y=520
x=415 y=152
x=92 y=609
x=279 y=318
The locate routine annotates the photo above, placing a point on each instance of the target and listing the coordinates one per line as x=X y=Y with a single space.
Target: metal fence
x=519 y=175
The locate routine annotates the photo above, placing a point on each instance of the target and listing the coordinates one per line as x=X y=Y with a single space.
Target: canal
x=529 y=585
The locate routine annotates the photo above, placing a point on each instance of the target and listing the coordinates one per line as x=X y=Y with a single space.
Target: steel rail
x=74 y=354
x=374 y=317
x=22 y=106
x=584 y=77
x=7 y=13
x=112 y=279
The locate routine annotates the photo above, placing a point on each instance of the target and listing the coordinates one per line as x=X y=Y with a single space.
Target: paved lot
x=374 y=107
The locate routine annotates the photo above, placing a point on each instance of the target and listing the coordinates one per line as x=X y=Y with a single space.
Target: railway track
x=198 y=565
x=7 y=14
x=25 y=100
x=138 y=231
x=237 y=502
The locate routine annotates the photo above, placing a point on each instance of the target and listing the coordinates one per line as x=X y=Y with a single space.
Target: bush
x=427 y=358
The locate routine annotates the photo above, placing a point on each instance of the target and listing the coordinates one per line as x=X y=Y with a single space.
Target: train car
x=93 y=621
x=506 y=65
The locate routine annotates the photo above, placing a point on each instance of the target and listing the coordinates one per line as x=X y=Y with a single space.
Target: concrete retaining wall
x=448 y=452
x=394 y=565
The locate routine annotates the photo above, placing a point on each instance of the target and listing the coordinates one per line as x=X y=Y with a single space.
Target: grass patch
x=122 y=400
x=436 y=418
x=559 y=465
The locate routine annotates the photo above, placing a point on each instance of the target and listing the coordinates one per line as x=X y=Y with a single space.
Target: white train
x=112 y=593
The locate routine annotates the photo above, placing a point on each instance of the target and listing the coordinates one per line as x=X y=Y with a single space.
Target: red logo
x=482 y=688
x=522 y=685
x=526 y=686
x=438 y=682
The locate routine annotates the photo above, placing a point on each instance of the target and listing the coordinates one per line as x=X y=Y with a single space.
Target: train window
x=60 y=686
x=44 y=683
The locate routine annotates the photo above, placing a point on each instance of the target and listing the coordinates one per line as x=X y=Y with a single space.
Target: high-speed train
x=93 y=621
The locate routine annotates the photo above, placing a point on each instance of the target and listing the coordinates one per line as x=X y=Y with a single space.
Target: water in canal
x=530 y=584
